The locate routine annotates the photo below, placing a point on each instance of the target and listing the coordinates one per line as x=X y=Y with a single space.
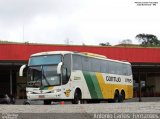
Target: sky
x=77 y=22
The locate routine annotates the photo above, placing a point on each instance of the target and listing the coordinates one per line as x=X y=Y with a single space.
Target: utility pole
x=139 y=81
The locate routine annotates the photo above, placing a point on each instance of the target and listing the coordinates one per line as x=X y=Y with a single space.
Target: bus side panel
x=108 y=88
x=120 y=87
x=105 y=88
x=130 y=92
x=93 y=85
x=78 y=80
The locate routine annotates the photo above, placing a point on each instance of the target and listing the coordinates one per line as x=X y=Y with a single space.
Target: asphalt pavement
x=130 y=109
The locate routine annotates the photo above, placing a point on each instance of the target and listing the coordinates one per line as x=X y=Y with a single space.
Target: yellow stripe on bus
x=102 y=84
x=50 y=88
x=109 y=89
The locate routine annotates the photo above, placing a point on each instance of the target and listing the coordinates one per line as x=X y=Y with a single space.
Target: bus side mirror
x=59 y=68
x=22 y=69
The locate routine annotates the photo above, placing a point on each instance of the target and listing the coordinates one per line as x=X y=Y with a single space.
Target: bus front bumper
x=43 y=96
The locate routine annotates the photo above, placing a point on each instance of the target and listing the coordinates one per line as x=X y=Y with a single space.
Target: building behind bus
x=145 y=65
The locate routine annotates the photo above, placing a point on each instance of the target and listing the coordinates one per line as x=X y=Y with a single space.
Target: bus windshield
x=43 y=76
x=45 y=60
x=43 y=70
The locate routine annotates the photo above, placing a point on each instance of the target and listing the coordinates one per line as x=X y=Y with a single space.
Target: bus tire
x=120 y=98
x=122 y=95
x=116 y=97
x=77 y=97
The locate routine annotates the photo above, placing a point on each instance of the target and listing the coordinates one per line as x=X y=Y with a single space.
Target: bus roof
x=51 y=52
x=93 y=55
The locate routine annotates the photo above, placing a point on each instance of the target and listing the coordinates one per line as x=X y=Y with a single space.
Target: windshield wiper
x=46 y=80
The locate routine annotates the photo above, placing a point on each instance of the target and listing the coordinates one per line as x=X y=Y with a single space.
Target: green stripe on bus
x=96 y=85
x=90 y=85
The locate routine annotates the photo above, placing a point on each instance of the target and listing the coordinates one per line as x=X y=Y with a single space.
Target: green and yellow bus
x=77 y=76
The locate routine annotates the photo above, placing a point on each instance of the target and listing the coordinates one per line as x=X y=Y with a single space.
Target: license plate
x=41 y=96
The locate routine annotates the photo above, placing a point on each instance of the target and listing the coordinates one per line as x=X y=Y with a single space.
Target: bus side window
x=111 y=67
x=64 y=76
x=104 y=66
x=77 y=62
x=129 y=70
x=107 y=66
x=66 y=68
x=86 y=63
x=119 y=68
x=95 y=65
x=125 y=70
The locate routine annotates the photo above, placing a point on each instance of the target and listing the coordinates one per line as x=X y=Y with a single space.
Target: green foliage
x=105 y=44
x=148 y=40
x=126 y=41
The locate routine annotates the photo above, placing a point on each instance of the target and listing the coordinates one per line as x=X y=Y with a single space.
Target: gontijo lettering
x=113 y=79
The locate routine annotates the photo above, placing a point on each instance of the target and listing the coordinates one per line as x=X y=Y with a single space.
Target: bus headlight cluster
x=29 y=92
x=56 y=90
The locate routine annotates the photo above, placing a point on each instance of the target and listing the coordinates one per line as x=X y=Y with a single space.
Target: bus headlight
x=56 y=90
x=29 y=92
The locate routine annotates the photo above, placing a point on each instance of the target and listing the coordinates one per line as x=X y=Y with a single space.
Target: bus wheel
x=77 y=97
x=122 y=96
x=47 y=102
x=116 y=97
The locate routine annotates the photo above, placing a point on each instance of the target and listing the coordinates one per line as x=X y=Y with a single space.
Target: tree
x=148 y=40
x=126 y=41
x=105 y=44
